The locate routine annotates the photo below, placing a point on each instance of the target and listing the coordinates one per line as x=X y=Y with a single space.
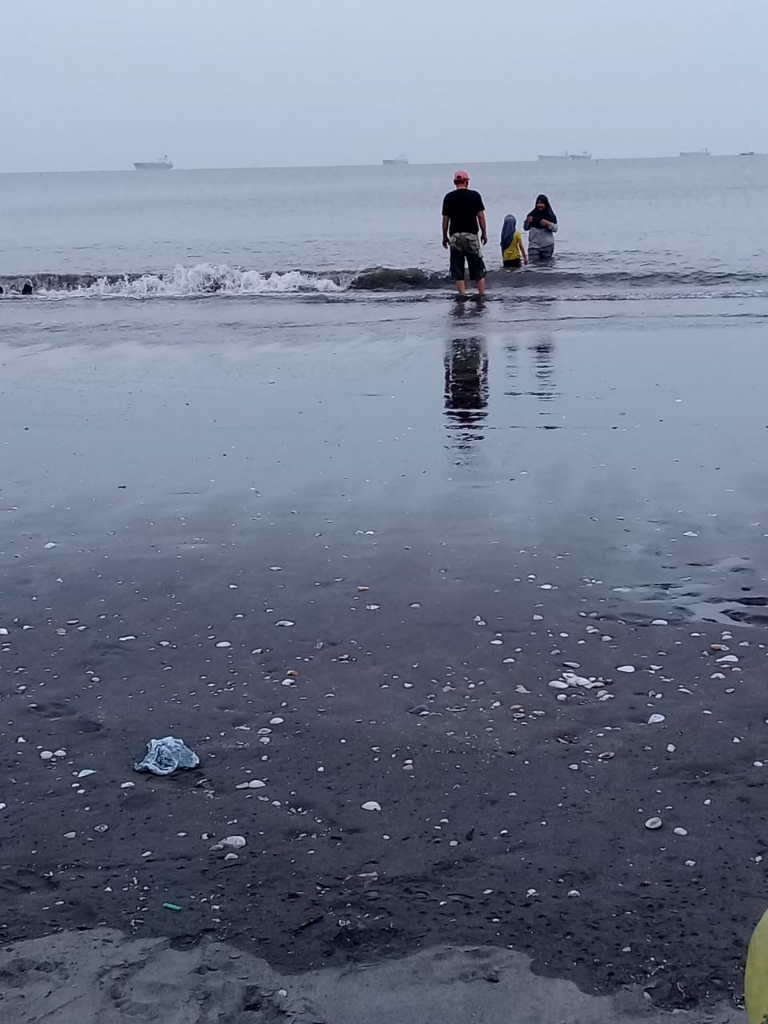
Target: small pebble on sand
x=234 y=842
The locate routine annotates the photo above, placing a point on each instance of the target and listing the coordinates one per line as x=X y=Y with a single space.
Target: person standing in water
x=463 y=220
x=513 y=252
x=541 y=225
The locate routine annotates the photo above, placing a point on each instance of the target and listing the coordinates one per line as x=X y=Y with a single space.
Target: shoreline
x=101 y=976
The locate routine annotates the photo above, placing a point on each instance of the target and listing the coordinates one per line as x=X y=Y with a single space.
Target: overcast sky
x=97 y=84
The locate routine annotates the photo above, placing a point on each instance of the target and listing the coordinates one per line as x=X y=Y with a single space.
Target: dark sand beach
x=452 y=508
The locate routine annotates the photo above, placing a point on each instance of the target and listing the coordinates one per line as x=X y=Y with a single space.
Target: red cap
x=461 y=176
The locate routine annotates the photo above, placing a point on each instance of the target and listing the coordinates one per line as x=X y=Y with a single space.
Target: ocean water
x=628 y=229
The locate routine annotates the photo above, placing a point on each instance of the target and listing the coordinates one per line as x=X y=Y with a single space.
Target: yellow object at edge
x=756 y=978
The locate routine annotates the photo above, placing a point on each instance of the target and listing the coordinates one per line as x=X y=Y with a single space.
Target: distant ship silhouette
x=161 y=164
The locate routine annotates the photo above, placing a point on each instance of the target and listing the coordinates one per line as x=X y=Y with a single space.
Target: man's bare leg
x=481 y=286
x=461 y=287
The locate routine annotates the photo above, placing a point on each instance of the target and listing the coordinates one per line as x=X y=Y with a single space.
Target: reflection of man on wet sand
x=466 y=379
x=466 y=392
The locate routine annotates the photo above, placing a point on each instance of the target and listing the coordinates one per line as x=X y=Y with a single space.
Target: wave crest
x=551 y=282
x=182 y=282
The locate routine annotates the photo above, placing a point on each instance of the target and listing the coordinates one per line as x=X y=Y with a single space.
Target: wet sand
x=452 y=510
x=103 y=977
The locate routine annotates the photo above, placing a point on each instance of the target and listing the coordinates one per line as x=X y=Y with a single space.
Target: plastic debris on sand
x=164 y=756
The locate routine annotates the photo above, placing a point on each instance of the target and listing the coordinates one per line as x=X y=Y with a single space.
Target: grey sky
x=91 y=84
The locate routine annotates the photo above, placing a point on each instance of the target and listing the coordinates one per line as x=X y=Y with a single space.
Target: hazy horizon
x=351 y=166
x=247 y=85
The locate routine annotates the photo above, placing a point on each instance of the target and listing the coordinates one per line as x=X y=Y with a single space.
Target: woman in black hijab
x=541 y=225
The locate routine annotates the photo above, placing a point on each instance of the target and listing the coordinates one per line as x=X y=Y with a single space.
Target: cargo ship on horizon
x=161 y=164
x=584 y=155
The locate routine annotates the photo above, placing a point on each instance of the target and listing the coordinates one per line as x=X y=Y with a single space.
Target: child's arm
x=523 y=253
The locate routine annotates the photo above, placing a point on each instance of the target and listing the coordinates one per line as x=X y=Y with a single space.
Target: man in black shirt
x=463 y=219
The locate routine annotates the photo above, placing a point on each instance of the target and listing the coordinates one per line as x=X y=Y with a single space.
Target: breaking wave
x=211 y=279
x=182 y=282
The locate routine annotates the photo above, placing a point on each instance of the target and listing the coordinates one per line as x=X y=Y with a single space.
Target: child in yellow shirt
x=512 y=249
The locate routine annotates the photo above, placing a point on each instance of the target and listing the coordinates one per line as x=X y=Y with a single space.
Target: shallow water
x=633 y=445
x=626 y=227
